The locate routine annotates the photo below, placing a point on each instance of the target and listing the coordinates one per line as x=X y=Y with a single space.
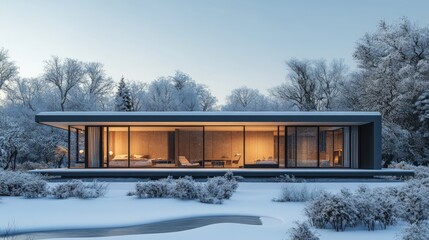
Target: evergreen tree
x=123 y=98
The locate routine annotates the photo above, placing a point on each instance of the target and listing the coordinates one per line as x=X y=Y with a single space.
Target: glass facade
x=262 y=145
x=224 y=146
x=213 y=146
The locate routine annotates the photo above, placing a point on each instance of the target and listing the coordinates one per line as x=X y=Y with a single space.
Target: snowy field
x=117 y=209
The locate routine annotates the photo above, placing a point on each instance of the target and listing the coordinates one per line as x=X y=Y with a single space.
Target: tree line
x=392 y=77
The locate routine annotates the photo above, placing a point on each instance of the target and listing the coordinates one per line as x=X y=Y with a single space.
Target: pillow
x=125 y=156
x=138 y=156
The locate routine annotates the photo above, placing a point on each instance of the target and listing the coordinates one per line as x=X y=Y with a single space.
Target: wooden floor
x=203 y=173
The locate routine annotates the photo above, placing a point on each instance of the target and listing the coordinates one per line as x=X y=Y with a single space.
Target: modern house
x=217 y=140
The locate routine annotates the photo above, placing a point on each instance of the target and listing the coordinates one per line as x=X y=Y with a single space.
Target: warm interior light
x=81 y=151
x=110 y=153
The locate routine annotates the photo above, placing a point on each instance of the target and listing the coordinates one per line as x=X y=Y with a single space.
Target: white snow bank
x=117 y=209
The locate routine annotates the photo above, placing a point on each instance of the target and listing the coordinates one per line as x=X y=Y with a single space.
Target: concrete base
x=203 y=173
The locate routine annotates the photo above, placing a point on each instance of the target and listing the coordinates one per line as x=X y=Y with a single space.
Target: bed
x=135 y=161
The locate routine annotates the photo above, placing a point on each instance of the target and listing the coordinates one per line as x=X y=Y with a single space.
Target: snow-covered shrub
x=297 y=193
x=35 y=189
x=302 y=231
x=314 y=209
x=287 y=178
x=67 y=189
x=414 y=200
x=366 y=206
x=78 y=189
x=213 y=191
x=420 y=172
x=416 y=231
x=93 y=190
x=22 y=184
x=346 y=209
x=154 y=189
x=205 y=196
x=185 y=188
x=218 y=188
x=25 y=166
x=386 y=205
x=232 y=180
x=334 y=209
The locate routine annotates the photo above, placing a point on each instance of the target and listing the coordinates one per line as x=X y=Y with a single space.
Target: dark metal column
x=68 y=146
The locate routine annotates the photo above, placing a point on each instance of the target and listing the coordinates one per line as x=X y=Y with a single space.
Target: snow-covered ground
x=117 y=209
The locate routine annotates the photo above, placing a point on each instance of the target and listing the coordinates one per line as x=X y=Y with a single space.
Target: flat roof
x=63 y=119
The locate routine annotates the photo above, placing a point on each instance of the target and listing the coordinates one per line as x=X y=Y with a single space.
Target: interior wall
x=223 y=145
x=151 y=143
x=191 y=145
x=119 y=141
x=259 y=146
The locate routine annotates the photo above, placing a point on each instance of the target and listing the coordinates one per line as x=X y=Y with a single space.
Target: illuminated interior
x=214 y=146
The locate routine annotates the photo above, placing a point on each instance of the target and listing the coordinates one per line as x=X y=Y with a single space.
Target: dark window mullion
x=318 y=147
x=296 y=146
x=278 y=146
x=286 y=148
x=204 y=146
x=68 y=150
x=86 y=147
x=101 y=162
x=244 y=146
x=107 y=147
x=129 y=160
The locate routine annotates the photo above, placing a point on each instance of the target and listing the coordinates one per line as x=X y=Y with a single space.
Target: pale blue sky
x=223 y=44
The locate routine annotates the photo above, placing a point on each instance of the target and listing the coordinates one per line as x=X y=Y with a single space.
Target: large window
x=213 y=146
x=334 y=145
x=117 y=151
x=190 y=146
x=77 y=146
x=306 y=142
x=318 y=146
x=262 y=145
x=291 y=147
x=223 y=146
x=94 y=147
x=152 y=147
x=282 y=147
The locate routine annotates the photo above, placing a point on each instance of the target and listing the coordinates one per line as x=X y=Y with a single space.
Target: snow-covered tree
x=394 y=62
x=206 y=99
x=186 y=92
x=178 y=93
x=8 y=69
x=97 y=86
x=416 y=231
x=422 y=109
x=246 y=99
x=312 y=85
x=12 y=141
x=123 y=98
x=64 y=75
x=161 y=95
x=393 y=74
x=138 y=95
x=26 y=92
